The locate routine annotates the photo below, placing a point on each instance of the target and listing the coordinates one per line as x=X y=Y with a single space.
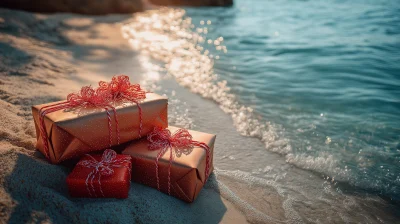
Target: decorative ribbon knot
x=121 y=89
x=162 y=140
x=89 y=97
x=104 y=167
x=118 y=90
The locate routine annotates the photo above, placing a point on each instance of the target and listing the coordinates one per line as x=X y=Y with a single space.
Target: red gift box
x=101 y=176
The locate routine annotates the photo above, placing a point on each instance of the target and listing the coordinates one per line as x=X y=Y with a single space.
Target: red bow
x=120 y=88
x=89 y=97
x=162 y=139
x=104 y=167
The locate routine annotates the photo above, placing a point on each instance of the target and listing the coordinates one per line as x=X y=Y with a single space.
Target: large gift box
x=101 y=176
x=70 y=131
x=174 y=161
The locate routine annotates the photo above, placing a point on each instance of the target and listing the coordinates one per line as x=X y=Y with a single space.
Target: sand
x=42 y=59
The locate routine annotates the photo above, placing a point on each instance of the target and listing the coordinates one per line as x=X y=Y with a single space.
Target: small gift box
x=174 y=161
x=101 y=176
x=95 y=119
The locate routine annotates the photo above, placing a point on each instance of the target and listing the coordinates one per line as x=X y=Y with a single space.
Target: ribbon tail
x=87 y=183
x=159 y=155
x=156 y=163
x=42 y=126
x=109 y=126
x=101 y=190
x=116 y=123
x=140 y=119
x=171 y=158
x=91 y=183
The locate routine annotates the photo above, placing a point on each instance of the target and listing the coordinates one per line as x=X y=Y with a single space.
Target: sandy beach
x=45 y=57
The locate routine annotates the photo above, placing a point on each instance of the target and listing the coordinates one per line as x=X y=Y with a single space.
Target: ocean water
x=316 y=82
x=327 y=74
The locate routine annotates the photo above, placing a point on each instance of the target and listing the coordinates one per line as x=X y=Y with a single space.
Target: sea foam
x=169 y=37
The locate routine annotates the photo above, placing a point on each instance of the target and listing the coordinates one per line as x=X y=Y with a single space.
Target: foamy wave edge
x=168 y=36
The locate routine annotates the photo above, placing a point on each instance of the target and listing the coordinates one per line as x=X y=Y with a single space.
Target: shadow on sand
x=42 y=195
x=81 y=36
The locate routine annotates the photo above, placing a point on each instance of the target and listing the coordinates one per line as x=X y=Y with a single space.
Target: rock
x=94 y=7
x=192 y=2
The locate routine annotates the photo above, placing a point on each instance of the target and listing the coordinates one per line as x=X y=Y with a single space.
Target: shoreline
x=81 y=50
x=304 y=195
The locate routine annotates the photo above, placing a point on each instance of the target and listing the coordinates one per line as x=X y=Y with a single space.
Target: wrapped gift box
x=187 y=173
x=101 y=176
x=73 y=133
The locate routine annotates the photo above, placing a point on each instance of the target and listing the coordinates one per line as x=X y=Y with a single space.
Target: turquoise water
x=325 y=74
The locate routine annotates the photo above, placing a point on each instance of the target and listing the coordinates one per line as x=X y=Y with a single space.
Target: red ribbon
x=118 y=90
x=162 y=139
x=121 y=89
x=104 y=167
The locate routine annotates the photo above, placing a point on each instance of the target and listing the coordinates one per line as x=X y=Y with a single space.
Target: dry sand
x=42 y=58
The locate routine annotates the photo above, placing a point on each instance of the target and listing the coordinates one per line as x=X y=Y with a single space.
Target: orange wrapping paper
x=73 y=133
x=187 y=170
